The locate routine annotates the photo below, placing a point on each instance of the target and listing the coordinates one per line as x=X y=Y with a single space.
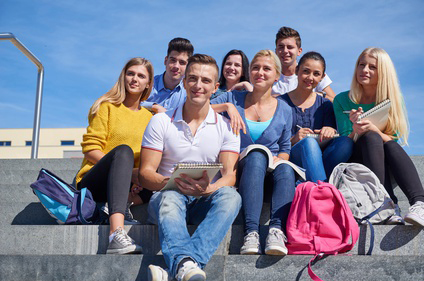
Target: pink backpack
x=320 y=222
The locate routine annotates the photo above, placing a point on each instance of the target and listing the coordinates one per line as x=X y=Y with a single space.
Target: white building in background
x=53 y=143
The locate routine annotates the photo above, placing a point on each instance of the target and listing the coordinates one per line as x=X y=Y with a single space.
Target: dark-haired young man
x=192 y=132
x=168 y=91
x=288 y=46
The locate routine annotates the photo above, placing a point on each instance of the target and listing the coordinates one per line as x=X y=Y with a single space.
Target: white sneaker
x=122 y=244
x=157 y=273
x=251 y=245
x=416 y=214
x=190 y=271
x=275 y=243
x=396 y=219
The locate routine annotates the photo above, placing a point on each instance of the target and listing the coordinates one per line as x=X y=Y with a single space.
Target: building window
x=5 y=143
x=28 y=143
x=67 y=143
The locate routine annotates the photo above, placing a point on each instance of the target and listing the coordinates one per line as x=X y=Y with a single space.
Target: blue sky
x=84 y=44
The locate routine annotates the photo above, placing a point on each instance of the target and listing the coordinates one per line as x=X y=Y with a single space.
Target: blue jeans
x=252 y=172
x=319 y=164
x=214 y=214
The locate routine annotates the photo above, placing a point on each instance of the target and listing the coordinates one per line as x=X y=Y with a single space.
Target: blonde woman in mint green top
x=374 y=81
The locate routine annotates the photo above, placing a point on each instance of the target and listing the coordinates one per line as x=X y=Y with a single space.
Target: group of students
x=145 y=125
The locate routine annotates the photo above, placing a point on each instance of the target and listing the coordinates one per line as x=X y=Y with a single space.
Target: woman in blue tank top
x=267 y=121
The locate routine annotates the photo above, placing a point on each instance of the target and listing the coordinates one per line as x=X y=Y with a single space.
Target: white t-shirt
x=288 y=83
x=168 y=133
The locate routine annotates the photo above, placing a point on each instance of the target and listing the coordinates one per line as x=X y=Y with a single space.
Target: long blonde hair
x=117 y=94
x=387 y=88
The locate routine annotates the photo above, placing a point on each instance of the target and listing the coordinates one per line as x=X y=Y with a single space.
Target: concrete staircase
x=34 y=247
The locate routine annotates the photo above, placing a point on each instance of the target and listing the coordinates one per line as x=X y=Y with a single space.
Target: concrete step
x=26 y=177
x=93 y=239
x=37 y=164
x=229 y=268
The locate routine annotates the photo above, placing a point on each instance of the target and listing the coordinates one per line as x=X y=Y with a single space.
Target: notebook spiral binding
x=374 y=109
x=198 y=165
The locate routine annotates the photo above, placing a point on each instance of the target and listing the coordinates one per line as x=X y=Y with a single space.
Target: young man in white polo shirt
x=191 y=133
x=288 y=46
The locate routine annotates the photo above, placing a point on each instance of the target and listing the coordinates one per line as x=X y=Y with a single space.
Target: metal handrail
x=39 y=94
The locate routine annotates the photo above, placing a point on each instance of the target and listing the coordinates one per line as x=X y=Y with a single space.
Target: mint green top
x=342 y=104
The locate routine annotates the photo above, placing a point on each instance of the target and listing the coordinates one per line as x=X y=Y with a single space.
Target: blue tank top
x=257 y=128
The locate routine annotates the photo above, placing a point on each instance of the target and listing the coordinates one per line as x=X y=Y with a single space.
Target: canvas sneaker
x=251 y=245
x=128 y=216
x=122 y=244
x=416 y=214
x=157 y=273
x=396 y=219
x=275 y=243
x=190 y=271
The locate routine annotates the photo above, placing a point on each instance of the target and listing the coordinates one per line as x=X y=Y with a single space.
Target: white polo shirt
x=168 y=133
x=288 y=83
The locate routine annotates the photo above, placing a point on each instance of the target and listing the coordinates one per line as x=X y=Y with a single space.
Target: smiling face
x=136 y=79
x=175 y=64
x=366 y=71
x=310 y=73
x=200 y=83
x=233 y=68
x=287 y=51
x=263 y=73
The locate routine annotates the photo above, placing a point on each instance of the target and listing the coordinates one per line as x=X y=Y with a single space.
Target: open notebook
x=271 y=165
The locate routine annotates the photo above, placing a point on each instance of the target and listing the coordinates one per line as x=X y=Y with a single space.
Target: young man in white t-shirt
x=288 y=48
x=192 y=132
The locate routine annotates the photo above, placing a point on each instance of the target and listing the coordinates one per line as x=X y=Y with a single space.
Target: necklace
x=259 y=117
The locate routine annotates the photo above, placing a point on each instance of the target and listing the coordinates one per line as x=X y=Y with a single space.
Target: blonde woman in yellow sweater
x=112 y=146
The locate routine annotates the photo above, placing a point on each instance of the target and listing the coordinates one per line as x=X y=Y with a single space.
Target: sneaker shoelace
x=186 y=267
x=252 y=238
x=418 y=208
x=122 y=237
x=276 y=235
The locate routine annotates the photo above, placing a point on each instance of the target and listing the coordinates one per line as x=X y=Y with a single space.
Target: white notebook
x=378 y=115
x=193 y=170
x=321 y=143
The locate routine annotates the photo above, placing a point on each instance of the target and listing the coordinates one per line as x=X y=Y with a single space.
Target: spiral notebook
x=378 y=115
x=193 y=170
x=321 y=143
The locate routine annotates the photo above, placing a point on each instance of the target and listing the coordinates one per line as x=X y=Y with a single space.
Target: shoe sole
x=276 y=251
x=414 y=220
x=251 y=251
x=124 y=251
x=199 y=275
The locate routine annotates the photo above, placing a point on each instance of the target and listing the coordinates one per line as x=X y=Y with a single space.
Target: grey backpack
x=365 y=195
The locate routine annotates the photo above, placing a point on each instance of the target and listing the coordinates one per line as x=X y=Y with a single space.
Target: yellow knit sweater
x=114 y=125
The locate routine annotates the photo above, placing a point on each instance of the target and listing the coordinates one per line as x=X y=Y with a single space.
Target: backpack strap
x=80 y=203
x=311 y=273
x=365 y=219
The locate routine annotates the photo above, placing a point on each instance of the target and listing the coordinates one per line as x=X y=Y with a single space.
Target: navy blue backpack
x=64 y=202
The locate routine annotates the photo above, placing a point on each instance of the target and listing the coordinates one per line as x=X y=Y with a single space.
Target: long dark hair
x=244 y=68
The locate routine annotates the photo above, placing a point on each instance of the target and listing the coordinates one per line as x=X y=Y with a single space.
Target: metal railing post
x=39 y=93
